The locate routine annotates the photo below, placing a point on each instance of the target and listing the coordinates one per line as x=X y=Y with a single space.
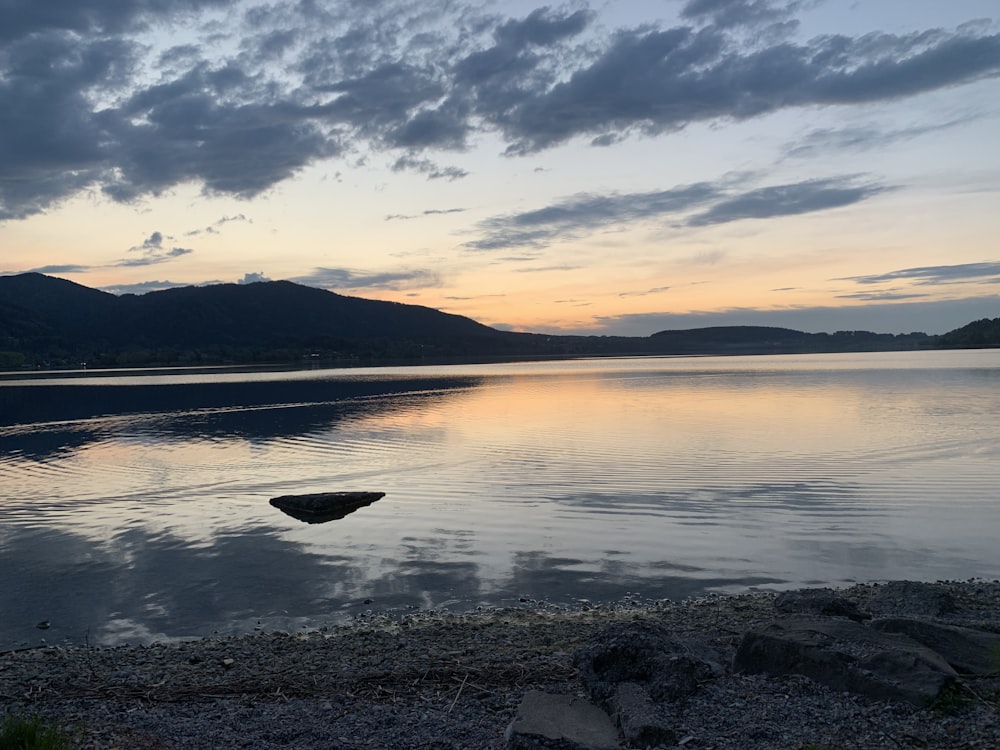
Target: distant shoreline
x=298 y=366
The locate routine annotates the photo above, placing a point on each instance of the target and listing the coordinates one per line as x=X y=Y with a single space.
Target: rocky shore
x=726 y=672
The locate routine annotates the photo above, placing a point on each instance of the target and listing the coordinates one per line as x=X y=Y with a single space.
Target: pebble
x=445 y=680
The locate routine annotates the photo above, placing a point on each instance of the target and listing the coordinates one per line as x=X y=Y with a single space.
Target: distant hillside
x=982 y=334
x=54 y=319
x=46 y=321
x=762 y=339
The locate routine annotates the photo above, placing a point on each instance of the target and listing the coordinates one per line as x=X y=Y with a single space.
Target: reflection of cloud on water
x=888 y=560
x=537 y=575
x=426 y=584
x=155 y=582
x=140 y=586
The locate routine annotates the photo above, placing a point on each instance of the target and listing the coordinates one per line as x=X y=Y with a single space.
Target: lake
x=135 y=505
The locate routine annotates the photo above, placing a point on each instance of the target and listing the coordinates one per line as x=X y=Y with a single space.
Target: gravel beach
x=442 y=680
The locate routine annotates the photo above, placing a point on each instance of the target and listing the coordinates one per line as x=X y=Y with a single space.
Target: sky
x=612 y=167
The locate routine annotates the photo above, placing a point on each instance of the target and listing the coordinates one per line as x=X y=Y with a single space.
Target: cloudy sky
x=612 y=166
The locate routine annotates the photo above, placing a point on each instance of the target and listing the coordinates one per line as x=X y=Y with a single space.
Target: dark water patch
x=27 y=404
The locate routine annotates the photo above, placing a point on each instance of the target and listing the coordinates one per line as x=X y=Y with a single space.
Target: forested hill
x=46 y=321
x=762 y=339
x=268 y=321
x=981 y=334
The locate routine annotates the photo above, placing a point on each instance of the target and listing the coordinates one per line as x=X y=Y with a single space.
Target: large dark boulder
x=845 y=655
x=643 y=721
x=638 y=672
x=644 y=653
x=560 y=722
x=968 y=651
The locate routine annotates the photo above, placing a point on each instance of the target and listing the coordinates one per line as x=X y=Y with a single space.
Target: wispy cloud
x=214 y=227
x=961 y=273
x=884 y=296
x=788 y=200
x=429 y=168
x=428 y=212
x=645 y=292
x=58 y=269
x=724 y=201
x=344 y=278
x=822 y=142
x=584 y=213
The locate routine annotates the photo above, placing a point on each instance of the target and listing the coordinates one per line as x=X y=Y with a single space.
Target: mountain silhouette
x=58 y=318
x=47 y=321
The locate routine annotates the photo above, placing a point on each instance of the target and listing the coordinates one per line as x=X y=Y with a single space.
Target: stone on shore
x=643 y=721
x=845 y=655
x=560 y=722
x=912 y=599
x=968 y=651
x=824 y=602
x=638 y=672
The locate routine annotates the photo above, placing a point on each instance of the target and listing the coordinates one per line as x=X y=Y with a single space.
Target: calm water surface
x=135 y=507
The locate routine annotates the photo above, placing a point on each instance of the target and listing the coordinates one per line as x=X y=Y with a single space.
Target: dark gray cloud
x=218 y=127
x=55 y=270
x=824 y=141
x=428 y=167
x=23 y=17
x=787 y=200
x=153 y=242
x=343 y=278
x=153 y=251
x=87 y=103
x=154 y=257
x=726 y=13
x=724 y=201
x=253 y=278
x=960 y=273
x=662 y=80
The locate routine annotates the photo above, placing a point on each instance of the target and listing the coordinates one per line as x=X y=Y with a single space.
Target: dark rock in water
x=324 y=506
x=968 y=651
x=846 y=655
x=819 y=602
x=560 y=722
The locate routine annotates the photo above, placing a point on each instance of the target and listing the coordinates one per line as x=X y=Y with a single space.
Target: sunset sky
x=611 y=167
